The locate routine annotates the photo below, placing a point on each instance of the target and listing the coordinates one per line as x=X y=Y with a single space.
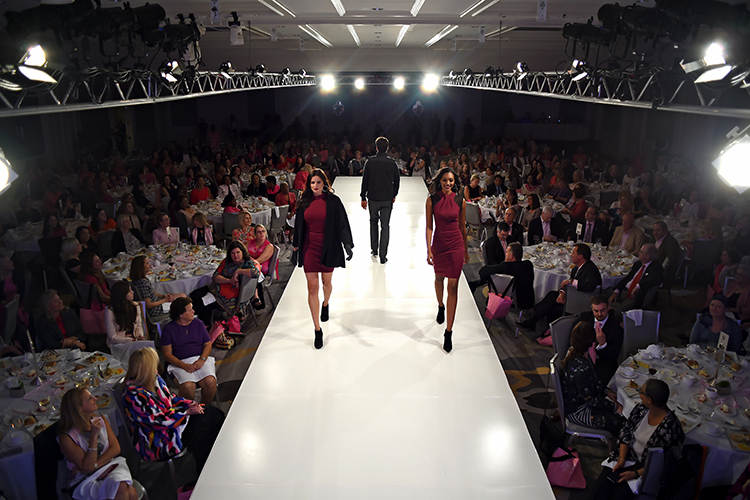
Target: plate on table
x=688 y=423
x=740 y=440
x=725 y=409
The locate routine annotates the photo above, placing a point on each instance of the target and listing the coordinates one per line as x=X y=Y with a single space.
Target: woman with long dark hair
x=447 y=249
x=321 y=235
x=123 y=317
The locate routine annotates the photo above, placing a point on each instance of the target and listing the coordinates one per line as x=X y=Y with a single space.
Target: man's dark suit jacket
x=493 y=190
x=494 y=250
x=652 y=277
x=588 y=276
x=516 y=233
x=600 y=232
x=524 y=273
x=536 y=229
x=669 y=249
x=606 y=359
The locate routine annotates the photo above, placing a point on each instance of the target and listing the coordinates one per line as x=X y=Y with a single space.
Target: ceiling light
x=328 y=83
x=399 y=83
x=273 y=8
x=415 y=8
x=493 y=2
x=284 y=8
x=430 y=82
x=354 y=34
x=339 y=7
x=473 y=6
x=402 y=34
x=359 y=84
x=317 y=36
x=443 y=33
x=732 y=163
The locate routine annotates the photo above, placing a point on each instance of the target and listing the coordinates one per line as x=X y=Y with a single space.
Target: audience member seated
x=128 y=208
x=201 y=192
x=100 y=222
x=126 y=239
x=510 y=200
x=257 y=189
x=742 y=240
x=68 y=208
x=83 y=235
x=186 y=348
x=57 y=327
x=27 y=212
x=669 y=252
x=159 y=420
x=227 y=186
x=531 y=186
x=54 y=190
x=627 y=236
x=609 y=336
x=272 y=189
x=245 y=233
x=472 y=192
x=532 y=211
x=139 y=269
x=140 y=198
x=593 y=230
x=521 y=270
x=495 y=248
x=52 y=228
x=710 y=325
x=651 y=424
x=738 y=295
x=561 y=192
x=122 y=318
x=624 y=204
x=515 y=230
x=728 y=265
x=496 y=188
x=642 y=204
x=645 y=274
x=69 y=254
x=546 y=228
x=164 y=234
x=90 y=446
x=230 y=204
x=262 y=250
x=91 y=272
x=185 y=207
x=587 y=401
x=202 y=233
x=578 y=209
x=286 y=198
x=167 y=189
x=584 y=276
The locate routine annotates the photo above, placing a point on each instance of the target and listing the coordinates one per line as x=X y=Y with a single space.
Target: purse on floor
x=498 y=306
x=565 y=469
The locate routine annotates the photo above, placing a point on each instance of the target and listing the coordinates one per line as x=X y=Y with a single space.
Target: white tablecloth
x=547 y=280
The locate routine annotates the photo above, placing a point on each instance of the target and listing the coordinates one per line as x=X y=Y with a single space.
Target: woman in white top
x=91 y=449
x=227 y=186
x=123 y=322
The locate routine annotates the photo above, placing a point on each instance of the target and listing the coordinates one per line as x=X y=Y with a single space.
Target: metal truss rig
x=652 y=88
x=101 y=89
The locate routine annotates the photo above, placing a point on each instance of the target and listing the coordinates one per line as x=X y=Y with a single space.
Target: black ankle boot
x=324 y=313
x=447 y=342
x=441 y=315
x=531 y=322
x=318 y=339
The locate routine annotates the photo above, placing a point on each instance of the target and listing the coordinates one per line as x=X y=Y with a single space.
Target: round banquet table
x=26 y=237
x=727 y=457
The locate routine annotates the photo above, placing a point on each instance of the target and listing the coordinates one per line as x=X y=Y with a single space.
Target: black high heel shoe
x=324 y=313
x=441 y=315
x=318 y=339
x=447 y=342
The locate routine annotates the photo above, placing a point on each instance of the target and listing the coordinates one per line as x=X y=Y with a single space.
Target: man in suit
x=585 y=276
x=646 y=274
x=515 y=230
x=497 y=188
x=380 y=183
x=545 y=228
x=495 y=249
x=609 y=336
x=669 y=251
x=594 y=229
x=628 y=237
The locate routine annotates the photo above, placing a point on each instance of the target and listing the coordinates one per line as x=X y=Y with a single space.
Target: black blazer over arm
x=49 y=335
x=535 y=229
x=495 y=253
x=338 y=233
x=606 y=359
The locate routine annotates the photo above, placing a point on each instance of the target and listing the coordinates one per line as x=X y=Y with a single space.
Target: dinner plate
x=714 y=431
x=731 y=412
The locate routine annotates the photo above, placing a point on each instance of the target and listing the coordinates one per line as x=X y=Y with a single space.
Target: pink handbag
x=498 y=305
x=233 y=325
x=216 y=329
x=565 y=469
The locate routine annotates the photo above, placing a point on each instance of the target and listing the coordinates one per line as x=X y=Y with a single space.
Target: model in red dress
x=447 y=250
x=312 y=248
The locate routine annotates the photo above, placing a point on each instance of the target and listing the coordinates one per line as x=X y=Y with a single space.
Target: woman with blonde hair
x=245 y=233
x=201 y=234
x=159 y=419
x=57 y=326
x=71 y=250
x=91 y=449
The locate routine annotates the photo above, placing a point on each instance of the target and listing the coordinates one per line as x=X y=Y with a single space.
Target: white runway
x=381 y=412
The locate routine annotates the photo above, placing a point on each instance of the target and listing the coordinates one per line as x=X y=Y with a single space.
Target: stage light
x=7 y=175
x=579 y=70
x=399 y=82
x=452 y=75
x=489 y=71
x=468 y=72
x=522 y=69
x=36 y=75
x=29 y=65
x=359 y=84
x=261 y=68
x=328 y=83
x=713 y=56
x=34 y=57
x=225 y=68
x=712 y=75
x=732 y=164
x=168 y=71
x=302 y=72
x=430 y=82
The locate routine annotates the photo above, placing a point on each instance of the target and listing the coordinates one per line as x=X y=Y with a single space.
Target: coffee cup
x=712 y=428
x=693 y=347
x=688 y=380
x=74 y=354
x=628 y=371
x=711 y=392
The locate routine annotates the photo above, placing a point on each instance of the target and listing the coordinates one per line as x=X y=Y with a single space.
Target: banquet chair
x=278 y=223
x=247 y=292
x=50 y=249
x=182 y=223
x=652 y=473
x=109 y=208
x=500 y=282
x=126 y=445
x=151 y=326
x=728 y=281
x=560 y=330
x=570 y=429
x=577 y=301
x=678 y=266
x=230 y=222
x=268 y=278
x=105 y=244
x=705 y=256
x=639 y=337
x=11 y=318
x=86 y=293
x=69 y=283
x=474 y=220
x=606 y=198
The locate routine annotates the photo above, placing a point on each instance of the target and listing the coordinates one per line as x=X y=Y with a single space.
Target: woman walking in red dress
x=447 y=250
x=320 y=232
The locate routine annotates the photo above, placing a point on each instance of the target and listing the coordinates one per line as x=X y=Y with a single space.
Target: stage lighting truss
x=94 y=88
x=649 y=88
x=378 y=79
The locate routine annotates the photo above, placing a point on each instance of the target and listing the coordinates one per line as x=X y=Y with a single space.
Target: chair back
x=11 y=317
x=576 y=301
x=483 y=249
x=109 y=208
x=231 y=222
x=652 y=474
x=555 y=371
x=182 y=223
x=705 y=253
x=728 y=281
x=639 y=337
x=560 y=329
x=69 y=283
x=248 y=286
x=278 y=223
x=606 y=198
x=473 y=215
x=86 y=292
x=272 y=266
x=105 y=244
x=500 y=282
x=50 y=249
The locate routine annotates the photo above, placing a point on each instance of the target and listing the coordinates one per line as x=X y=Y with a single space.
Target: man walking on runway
x=380 y=182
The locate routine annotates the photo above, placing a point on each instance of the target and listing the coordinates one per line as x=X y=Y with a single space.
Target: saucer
x=713 y=430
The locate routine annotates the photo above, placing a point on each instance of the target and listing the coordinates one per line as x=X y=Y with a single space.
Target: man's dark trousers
x=380 y=211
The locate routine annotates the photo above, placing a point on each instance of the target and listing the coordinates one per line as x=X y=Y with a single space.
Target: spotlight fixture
x=522 y=69
x=430 y=82
x=7 y=175
x=225 y=68
x=261 y=68
x=489 y=71
x=452 y=75
x=579 y=70
x=399 y=83
x=168 y=68
x=468 y=72
x=286 y=72
x=359 y=83
x=713 y=59
x=302 y=72
x=328 y=83
x=31 y=63
x=732 y=163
